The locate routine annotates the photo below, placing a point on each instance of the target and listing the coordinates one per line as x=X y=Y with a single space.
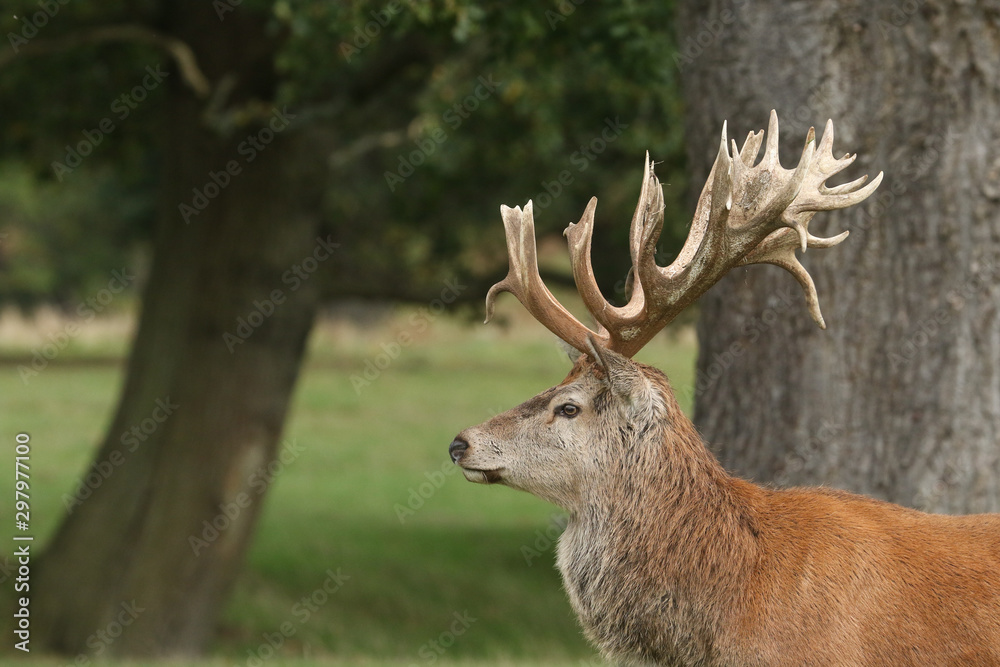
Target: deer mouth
x=483 y=476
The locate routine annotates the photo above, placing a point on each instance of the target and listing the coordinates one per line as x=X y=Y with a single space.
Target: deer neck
x=676 y=538
x=674 y=499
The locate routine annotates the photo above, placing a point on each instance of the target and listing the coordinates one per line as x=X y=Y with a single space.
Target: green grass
x=458 y=547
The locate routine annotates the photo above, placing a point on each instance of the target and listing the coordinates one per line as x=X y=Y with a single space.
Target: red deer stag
x=668 y=559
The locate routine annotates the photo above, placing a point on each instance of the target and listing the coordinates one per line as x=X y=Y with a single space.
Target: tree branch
x=178 y=50
x=366 y=144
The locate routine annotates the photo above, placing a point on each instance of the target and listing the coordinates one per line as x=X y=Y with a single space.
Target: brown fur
x=669 y=560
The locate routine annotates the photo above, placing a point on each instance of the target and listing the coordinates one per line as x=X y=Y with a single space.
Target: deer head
x=576 y=435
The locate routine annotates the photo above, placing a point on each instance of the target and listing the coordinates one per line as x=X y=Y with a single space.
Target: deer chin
x=483 y=476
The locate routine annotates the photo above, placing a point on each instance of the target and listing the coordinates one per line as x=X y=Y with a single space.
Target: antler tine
x=815 y=196
x=746 y=214
x=751 y=147
x=618 y=322
x=779 y=249
x=647 y=221
x=749 y=214
x=579 y=237
x=523 y=281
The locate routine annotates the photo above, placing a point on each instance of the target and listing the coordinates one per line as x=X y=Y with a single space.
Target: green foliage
x=563 y=80
x=428 y=115
x=51 y=99
x=61 y=242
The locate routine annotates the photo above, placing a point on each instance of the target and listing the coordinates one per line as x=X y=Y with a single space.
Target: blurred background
x=244 y=247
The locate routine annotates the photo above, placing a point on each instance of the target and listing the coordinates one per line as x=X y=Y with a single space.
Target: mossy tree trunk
x=138 y=551
x=900 y=397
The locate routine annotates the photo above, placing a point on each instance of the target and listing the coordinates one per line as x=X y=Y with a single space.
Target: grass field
x=432 y=569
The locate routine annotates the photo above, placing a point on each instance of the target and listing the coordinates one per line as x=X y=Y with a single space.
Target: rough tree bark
x=900 y=397
x=126 y=552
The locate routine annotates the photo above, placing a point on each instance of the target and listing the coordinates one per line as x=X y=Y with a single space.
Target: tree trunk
x=153 y=550
x=900 y=397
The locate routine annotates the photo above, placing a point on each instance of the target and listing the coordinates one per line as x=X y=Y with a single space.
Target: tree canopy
x=429 y=115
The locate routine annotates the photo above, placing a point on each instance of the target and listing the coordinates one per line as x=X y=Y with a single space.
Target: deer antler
x=746 y=214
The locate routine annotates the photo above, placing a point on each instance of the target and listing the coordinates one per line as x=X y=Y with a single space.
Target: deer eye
x=568 y=410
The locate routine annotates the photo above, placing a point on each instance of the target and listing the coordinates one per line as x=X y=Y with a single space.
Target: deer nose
x=457 y=448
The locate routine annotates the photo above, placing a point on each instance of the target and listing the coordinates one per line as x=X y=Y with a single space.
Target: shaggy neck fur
x=664 y=512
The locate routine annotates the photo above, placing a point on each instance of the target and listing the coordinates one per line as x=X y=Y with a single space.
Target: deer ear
x=622 y=375
x=626 y=380
x=571 y=352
